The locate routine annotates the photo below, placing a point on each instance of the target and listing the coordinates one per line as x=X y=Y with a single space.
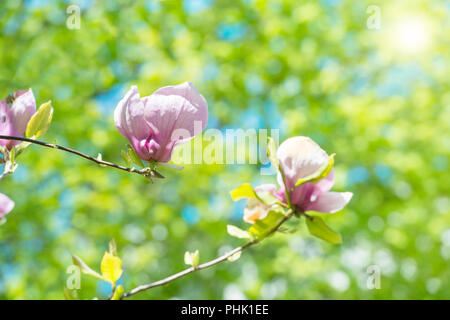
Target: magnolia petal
x=157 y=123
x=6 y=205
x=129 y=120
x=322 y=186
x=299 y=157
x=255 y=209
x=188 y=91
x=330 y=202
x=14 y=119
x=300 y=194
x=177 y=107
x=175 y=114
x=5 y=122
x=268 y=187
x=23 y=108
x=129 y=116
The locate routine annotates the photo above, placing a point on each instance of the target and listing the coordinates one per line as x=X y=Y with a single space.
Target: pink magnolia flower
x=156 y=124
x=14 y=116
x=299 y=157
x=6 y=205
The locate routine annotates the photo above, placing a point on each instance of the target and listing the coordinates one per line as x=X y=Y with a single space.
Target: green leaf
x=113 y=247
x=100 y=158
x=266 y=197
x=126 y=157
x=134 y=157
x=192 y=258
x=318 y=228
x=235 y=256
x=40 y=121
x=156 y=174
x=111 y=268
x=237 y=232
x=243 y=191
x=12 y=156
x=84 y=267
x=118 y=293
x=321 y=173
x=246 y=191
x=261 y=227
x=272 y=153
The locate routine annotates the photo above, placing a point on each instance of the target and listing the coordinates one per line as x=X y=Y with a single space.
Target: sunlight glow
x=412 y=35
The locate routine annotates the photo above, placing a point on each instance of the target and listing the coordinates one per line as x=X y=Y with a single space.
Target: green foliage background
x=306 y=67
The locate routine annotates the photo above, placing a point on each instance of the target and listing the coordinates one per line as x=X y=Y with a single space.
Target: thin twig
x=206 y=264
x=145 y=171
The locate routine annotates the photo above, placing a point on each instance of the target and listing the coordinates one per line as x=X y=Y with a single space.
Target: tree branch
x=145 y=172
x=206 y=264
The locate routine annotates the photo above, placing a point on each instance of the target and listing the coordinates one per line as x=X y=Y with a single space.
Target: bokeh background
x=379 y=98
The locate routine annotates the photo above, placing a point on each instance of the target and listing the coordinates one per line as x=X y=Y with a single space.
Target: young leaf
x=237 y=232
x=321 y=173
x=118 y=293
x=266 y=197
x=196 y=259
x=113 y=247
x=132 y=155
x=187 y=258
x=100 y=158
x=126 y=157
x=156 y=174
x=243 y=191
x=40 y=121
x=192 y=258
x=261 y=227
x=318 y=228
x=111 y=268
x=84 y=267
x=246 y=191
x=235 y=256
x=12 y=156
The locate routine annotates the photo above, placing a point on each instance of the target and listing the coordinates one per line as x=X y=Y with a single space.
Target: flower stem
x=145 y=171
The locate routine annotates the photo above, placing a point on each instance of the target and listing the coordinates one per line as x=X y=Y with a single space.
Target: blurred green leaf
x=111 y=268
x=126 y=157
x=113 y=247
x=132 y=155
x=243 y=191
x=318 y=228
x=261 y=227
x=235 y=256
x=118 y=293
x=192 y=258
x=237 y=232
x=40 y=121
x=84 y=267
